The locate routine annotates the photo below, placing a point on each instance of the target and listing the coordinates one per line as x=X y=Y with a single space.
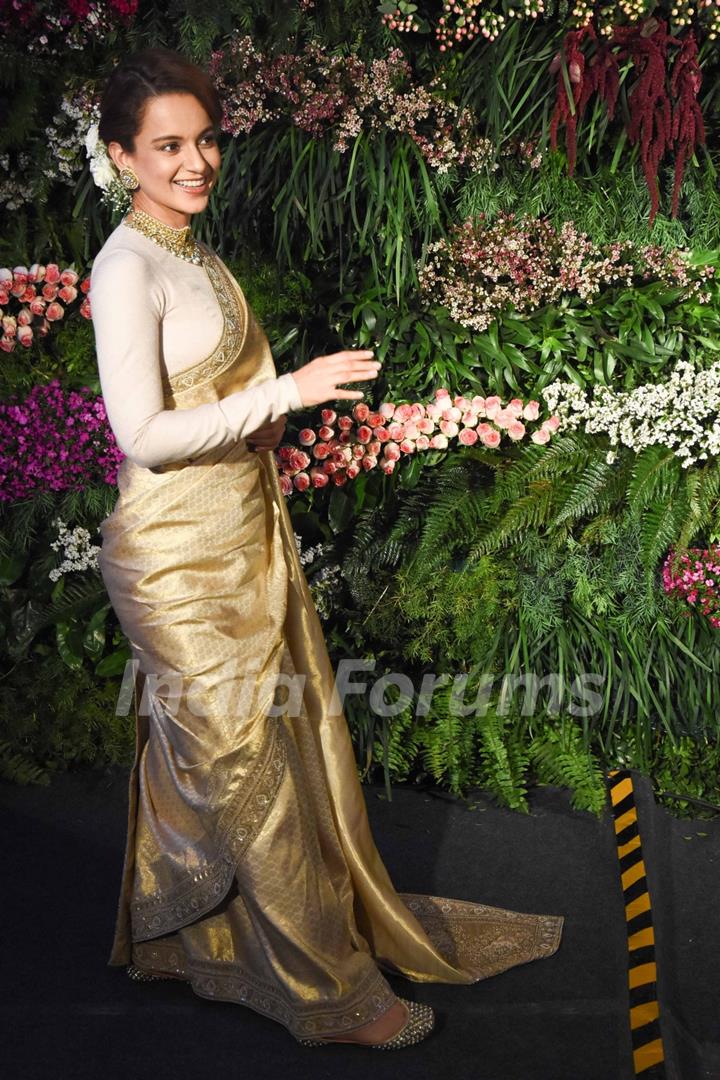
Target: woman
x=250 y=870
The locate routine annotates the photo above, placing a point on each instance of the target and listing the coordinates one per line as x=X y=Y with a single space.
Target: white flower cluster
x=325 y=585
x=103 y=170
x=64 y=136
x=682 y=413
x=78 y=552
x=307 y=557
x=18 y=184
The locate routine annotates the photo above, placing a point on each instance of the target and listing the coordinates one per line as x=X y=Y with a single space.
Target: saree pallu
x=250 y=870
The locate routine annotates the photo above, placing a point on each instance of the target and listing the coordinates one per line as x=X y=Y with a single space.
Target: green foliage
x=67 y=719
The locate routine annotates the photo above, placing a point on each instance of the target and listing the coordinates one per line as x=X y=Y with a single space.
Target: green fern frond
x=654 y=475
x=586 y=493
x=560 y=757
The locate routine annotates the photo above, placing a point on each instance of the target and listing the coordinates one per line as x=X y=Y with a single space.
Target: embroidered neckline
x=178 y=241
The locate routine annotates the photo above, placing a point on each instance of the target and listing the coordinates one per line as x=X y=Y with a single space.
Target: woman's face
x=176 y=143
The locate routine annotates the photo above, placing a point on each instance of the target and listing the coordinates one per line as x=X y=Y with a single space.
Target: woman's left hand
x=268 y=436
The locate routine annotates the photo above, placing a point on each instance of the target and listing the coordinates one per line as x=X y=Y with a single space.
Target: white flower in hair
x=103 y=171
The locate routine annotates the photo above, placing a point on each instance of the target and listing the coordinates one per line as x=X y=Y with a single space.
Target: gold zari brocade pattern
x=250 y=869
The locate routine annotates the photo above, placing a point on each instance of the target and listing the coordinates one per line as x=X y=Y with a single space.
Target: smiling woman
x=250 y=870
x=174 y=173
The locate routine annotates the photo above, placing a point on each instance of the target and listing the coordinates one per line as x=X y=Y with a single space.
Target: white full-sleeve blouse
x=152 y=312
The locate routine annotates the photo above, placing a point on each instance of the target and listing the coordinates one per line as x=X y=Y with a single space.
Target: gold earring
x=129 y=180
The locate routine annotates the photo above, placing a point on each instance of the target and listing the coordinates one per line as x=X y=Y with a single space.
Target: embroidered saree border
x=235 y=320
x=231 y=982
x=238 y=826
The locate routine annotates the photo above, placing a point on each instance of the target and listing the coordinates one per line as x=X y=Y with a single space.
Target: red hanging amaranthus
x=688 y=128
x=653 y=123
x=600 y=76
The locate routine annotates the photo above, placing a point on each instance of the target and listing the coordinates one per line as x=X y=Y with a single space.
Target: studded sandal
x=419 y=1024
x=139 y=975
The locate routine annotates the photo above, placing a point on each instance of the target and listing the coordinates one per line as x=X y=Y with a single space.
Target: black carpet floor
x=71 y=1017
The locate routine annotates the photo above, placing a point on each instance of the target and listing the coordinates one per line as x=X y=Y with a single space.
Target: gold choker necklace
x=179 y=242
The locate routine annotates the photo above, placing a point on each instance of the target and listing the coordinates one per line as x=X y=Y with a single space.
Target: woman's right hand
x=317 y=381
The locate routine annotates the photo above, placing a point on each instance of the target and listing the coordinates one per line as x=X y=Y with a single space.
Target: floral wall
x=516 y=206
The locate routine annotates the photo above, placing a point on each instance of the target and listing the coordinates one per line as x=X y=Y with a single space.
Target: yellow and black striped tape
x=648 y=1051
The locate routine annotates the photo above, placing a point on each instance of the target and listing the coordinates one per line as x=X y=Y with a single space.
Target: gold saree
x=250 y=869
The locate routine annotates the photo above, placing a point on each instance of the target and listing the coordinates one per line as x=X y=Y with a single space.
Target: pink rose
x=453 y=413
x=299 y=460
x=6 y=278
x=411 y=430
x=339 y=478
x=503 y=418
x=358 y=451
x=345 y=423
x=320 y=451
x=25 y=336
x=37 y=273
x=85 y=309
x=54 y=311
x=531 y=410
x=364 y=433
x=49 y=291
x=369 y=462
x=69 y=277
x=417 y=410
x=7 y=344
x=360 y=411
x=541 y=437
x=301 y=481
x=468 y=436
x=286 y=484
x=442 y=393
x=30 y=294
x=407 y=446
x=387 y=465
x=469 y=418
x=387 y=409
x=434 y=411
x=352 y=470
x=375 y=419
x=490 y=438
x=37 y=306
x=20 y=275
x=284 y=453
x=374 y=447
x=344 y=438
x=329 y=416
x=9 y=325
x=318 y=478
x=492 y=407
x=382 y=434
x=306 y=436
x=516 y=430
x=449 y=428
x=325 y=433
x=426 y=425
x=52 y=273
x=422 y=442
x=24 y=317
x=402 y=413
x=391 y=451
x=396 y=431
x=553 y=423
x=515 y=407
x=439 y=442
